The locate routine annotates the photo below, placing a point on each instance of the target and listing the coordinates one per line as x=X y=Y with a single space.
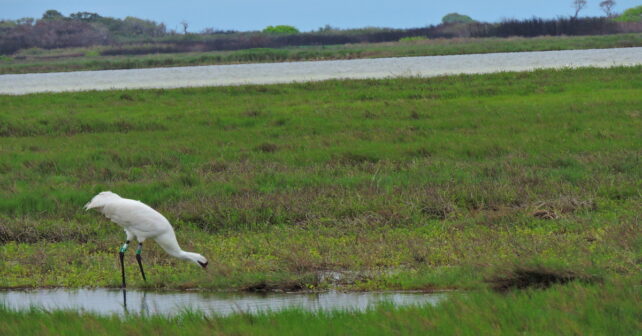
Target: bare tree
x=185 y=25
x=578 y=5
x=607 y=7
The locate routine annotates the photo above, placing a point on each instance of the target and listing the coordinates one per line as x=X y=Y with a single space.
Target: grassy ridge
x=572 y=310
x=418 y=183
x=73 y=59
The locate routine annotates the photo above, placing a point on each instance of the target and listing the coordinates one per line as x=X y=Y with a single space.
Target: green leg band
x=123 y=248
x=139 y=249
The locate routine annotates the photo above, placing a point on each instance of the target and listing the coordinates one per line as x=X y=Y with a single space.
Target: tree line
x=126 y=36
x=54 y=30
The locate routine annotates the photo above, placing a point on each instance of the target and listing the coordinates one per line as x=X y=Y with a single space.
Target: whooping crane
x=142 y=222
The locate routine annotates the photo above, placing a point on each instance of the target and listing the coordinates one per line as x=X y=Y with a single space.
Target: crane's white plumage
x=142 y=222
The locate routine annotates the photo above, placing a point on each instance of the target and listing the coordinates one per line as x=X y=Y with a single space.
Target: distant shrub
x=413 y=38
x=92 y=53
x=33 y=51
x=327 y=28
x=282 y=29
x=53 y=14
x=633 y=14
x=138 y=49
x=456 y=18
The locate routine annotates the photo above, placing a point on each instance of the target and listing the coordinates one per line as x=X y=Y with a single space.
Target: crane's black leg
x=139 y=259
x=121 y=254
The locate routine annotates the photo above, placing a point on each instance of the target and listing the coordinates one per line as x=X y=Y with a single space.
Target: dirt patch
x=554 y=209
x=263 y=287
x=545 y=214
x=214 y=167
x=350 y=158
x=253 y=113
x=267 y=148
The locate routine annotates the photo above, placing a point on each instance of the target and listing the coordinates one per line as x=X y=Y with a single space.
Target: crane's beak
x=204 y=265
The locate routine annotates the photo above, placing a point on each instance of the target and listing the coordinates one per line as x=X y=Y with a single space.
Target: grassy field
x=521 y=189
x=610 y=309
x=504 y=180
x=73 y=59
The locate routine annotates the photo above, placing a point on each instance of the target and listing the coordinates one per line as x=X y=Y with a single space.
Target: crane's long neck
x=169 y=243
x=188 y=256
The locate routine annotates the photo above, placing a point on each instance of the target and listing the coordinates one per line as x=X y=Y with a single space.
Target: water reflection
x=116 y=301
x=125 y=300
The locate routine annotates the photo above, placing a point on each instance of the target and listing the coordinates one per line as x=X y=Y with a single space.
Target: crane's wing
x=136 y=216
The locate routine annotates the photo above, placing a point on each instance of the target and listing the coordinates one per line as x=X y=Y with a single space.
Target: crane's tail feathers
x=89 y=205
x=94 y=203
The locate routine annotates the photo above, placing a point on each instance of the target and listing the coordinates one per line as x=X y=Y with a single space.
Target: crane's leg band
x=121 y=255
x=124 y=247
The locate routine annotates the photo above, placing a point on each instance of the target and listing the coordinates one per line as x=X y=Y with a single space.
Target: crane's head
x=203 y=262
x=196 y=258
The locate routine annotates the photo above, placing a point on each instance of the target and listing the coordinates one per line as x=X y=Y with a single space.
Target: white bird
x=142 y=222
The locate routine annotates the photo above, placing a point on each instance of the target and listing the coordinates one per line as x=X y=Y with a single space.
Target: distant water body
x=272 y=73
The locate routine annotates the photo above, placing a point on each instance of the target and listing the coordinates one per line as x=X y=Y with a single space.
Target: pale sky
x=246 y=15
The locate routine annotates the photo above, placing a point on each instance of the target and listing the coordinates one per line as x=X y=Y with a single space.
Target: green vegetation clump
x=281 y=29
x=456 y=18
x=52 y=14
x=413 y=39
x=633 y=14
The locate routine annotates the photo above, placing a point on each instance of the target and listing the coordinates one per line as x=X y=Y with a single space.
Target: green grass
x=450 y=182
x=574 y=309
x=73 y=59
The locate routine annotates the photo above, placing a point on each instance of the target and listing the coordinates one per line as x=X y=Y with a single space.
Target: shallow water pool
x=115 y=301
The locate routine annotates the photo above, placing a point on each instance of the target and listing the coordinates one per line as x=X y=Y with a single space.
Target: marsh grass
x=416 y=183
